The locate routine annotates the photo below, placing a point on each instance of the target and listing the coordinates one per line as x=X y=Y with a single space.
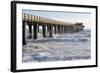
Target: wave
x=62 y=39
x=60 y=47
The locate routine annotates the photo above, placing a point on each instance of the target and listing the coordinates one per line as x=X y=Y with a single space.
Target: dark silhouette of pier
x=49 y=25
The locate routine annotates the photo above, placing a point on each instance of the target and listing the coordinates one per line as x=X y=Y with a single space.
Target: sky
x=72 y=17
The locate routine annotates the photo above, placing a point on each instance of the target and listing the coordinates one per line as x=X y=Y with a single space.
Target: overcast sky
x=64 y=16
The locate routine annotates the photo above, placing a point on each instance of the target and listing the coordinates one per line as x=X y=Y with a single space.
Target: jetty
x=49 y=26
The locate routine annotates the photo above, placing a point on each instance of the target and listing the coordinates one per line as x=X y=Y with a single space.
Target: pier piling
x=23 y=27
x=35 y=25
x=44 y=30
x=50 y=30
x=30 y=30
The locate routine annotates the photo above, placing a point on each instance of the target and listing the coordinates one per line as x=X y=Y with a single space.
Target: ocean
x=61 y=47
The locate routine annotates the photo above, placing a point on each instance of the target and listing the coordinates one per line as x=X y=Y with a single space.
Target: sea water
x=61 y=47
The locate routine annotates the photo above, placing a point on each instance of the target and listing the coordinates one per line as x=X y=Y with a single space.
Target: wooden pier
x=49 y=26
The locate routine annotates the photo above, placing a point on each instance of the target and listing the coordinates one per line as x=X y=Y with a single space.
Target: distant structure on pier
x=48 y=26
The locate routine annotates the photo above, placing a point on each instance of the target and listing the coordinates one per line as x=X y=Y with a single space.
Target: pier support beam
x=48 y=30
x=23 y=36
x=44 y=31
x=55 y=29
x=62 y=28
x=38 y=28
x=35 y=26
x=51 y=30
x=69 y=29
x=66 y=29
x=30 y=30
x=76 y=29
x=58 y=29
x=72 y=29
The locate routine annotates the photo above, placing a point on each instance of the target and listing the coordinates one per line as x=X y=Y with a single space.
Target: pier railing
x=44 y=20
